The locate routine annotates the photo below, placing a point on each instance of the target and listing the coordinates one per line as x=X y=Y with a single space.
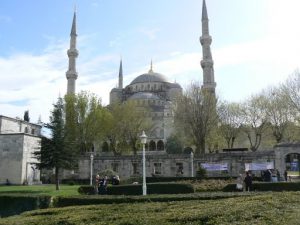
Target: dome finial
x=151 y=67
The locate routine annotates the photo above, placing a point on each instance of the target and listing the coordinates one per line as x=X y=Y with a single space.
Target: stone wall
x=16 y=156
x=174 y=165
x=11 y=125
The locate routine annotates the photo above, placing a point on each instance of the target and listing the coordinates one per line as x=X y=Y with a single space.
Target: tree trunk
x=56 y=179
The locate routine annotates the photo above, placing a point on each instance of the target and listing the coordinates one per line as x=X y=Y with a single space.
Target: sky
x=255 y=45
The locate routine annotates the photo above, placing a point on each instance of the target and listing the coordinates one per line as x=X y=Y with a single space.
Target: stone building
x=18 y=140
x=153 y=93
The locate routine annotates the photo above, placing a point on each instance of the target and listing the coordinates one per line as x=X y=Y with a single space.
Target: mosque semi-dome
x=144 y=95
x=149 y=77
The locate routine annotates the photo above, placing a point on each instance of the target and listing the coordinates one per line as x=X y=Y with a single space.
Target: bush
x=268 y=186
x=75 y=181
x=201 y=173
x=87 y=190
x=136 y=189
x=16 y=204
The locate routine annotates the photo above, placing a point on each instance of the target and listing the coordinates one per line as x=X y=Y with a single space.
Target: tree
x=26 y=116
x=278 y=112
x=254 y=120
x=174 y=145
x=195 y=113
x=126 y=125
x=86 y=120
x=230 y=122
x=55 y=152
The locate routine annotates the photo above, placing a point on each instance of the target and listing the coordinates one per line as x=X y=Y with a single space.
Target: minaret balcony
x=73 y=53
x=71 y=75
x=207 y=63
x=205 y=40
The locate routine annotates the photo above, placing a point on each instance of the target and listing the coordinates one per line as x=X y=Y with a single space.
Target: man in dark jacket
x=248 y=181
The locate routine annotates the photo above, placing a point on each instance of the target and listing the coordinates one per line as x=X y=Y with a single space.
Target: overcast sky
x=256 y=44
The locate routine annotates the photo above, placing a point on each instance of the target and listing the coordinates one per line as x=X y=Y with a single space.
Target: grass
x=65 y=190
x=270 y=208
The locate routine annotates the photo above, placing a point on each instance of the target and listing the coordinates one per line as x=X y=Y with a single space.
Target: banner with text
x=215 y=166
x=259 y=166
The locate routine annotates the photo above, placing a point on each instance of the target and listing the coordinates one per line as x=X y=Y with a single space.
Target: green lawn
x=270 y=208
x=65 y=190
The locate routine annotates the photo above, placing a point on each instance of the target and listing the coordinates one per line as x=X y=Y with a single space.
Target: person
x=286 y=175
x=248 y=181
x=103 y=186
x=97 y=183
x=239 y=183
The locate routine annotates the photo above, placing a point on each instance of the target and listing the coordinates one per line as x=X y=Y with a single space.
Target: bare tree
x=254 y=120
x=230 y=122
x=277 y=111
x=195 y=113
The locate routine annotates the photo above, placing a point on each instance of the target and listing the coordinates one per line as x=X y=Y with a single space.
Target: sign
x=259 y=166
x=215 y=166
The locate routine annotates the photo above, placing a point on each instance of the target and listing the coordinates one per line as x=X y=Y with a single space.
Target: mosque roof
x=149 y=77
x=144 y=95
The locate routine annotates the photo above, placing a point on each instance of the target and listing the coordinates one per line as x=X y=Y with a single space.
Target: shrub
x=201 y=173
x=136 y=189
x=268 y=186
x=87 y=190
x=16 y=204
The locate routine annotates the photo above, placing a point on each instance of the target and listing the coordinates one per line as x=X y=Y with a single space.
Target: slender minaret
x=71 y=74
x=121 y=75
x=207 y=62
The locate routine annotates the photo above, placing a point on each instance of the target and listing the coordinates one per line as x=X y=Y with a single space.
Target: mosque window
x=148 y=86
x=142 y=87
x=157 y=168
x=135 y=168
x=154 y=86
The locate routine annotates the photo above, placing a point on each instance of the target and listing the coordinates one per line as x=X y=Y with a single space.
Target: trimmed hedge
x=136 y=189
x=87 y=190
x=62 y=201
x=16 y=204
x=268 y=186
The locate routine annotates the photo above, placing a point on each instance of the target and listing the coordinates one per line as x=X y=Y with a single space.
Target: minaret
x=121 y=75
x=71 y=74
x=207 y=62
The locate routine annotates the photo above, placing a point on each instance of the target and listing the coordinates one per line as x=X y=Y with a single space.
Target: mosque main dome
x=149 y=78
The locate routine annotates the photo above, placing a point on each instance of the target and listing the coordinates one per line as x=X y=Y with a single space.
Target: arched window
x=152 y=146
x=160 y=145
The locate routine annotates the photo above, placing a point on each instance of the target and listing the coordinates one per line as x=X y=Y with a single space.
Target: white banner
x=259 y=166
x=215 y=166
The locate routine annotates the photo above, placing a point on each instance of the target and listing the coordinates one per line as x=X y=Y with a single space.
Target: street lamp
x=144 y=141
x=192 y=164
x=91 y=172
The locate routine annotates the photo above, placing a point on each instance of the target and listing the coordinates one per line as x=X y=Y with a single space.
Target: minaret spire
x=207 y=62
x=151 y=67
x=71 y=74
x=121 y=75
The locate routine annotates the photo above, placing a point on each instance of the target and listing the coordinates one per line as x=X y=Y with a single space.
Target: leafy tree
x=86 y=120
x=126 y=125
x=55 y=152
x=195 y=113
x=174 y=145
x=26 y=116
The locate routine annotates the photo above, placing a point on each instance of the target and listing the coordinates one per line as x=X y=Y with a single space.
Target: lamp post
x=192 y=164
x=91 y=172
x=144 y=141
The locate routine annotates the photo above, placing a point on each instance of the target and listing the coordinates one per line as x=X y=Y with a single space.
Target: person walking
x=248 y=181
